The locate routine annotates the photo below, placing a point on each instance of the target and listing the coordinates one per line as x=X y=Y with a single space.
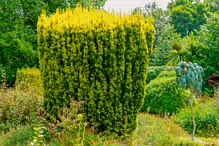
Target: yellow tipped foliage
x=99 y=58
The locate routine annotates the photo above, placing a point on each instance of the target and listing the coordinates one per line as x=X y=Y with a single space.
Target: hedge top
x=88 y=19
x=30 y=71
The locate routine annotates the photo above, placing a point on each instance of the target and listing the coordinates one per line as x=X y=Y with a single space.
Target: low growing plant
x=69 y=121
x=214 y=82
x=156 y=131
x=16 y=104
x=206 y=117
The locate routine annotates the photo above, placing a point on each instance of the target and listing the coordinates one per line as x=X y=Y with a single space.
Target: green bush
x=204 y=49
x=106 y=67
x=19 y=108
x=15 y=53
x=18 y=137
x=154 y=71
x=19 y=105
x=4 y=128
x=163 y=74
x=163 y=95
x=206 y=117
x=30 y=79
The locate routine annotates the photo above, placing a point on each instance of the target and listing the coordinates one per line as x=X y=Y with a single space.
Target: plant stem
x=193 y=117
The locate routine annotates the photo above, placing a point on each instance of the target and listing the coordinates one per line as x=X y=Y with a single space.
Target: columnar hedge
x=99 y=58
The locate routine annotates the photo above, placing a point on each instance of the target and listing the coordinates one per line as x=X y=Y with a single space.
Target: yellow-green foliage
x=164 y=95
x=97 y=57
x=19 y=105
x=30 y=79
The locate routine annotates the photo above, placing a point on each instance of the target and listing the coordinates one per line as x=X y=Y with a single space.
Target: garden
x=73 y=74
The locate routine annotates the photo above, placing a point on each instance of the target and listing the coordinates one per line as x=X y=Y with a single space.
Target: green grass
x=154 y=130
x=207 y=119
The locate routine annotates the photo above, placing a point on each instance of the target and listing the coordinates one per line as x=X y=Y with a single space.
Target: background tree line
x=188 y=30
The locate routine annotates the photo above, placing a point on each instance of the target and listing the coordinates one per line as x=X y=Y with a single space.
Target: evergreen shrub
x=96 y=57
x=167 y=74
x=163 y=96
x=154 y=71
x=30 y=79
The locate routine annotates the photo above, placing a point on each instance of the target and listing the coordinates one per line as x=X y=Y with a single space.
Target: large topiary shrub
x=99 y=58
x=164 y=96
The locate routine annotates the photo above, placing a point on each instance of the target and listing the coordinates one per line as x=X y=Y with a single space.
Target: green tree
x=16 y=49
x=10 y=15
x=31 y=9
x=179 y=52
x=16 y=53
x=164 y=39
x=165 y=32
x=52 y=5
x=18 y=35
x=187 y=15
x=22 y=14
x=206 y=51
x=212 y=5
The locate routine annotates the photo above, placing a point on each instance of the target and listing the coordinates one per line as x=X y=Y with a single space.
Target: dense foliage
x=189 y=76
x=104 y=66
x=207 y=118
x=206 y=51
x=214 y=80
x=18 y=36
x=186 y=31
x=30 y=79
x=15 y=53
x=163 y=95
x=188 y=15
x=165 y=32
x=154 y=71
